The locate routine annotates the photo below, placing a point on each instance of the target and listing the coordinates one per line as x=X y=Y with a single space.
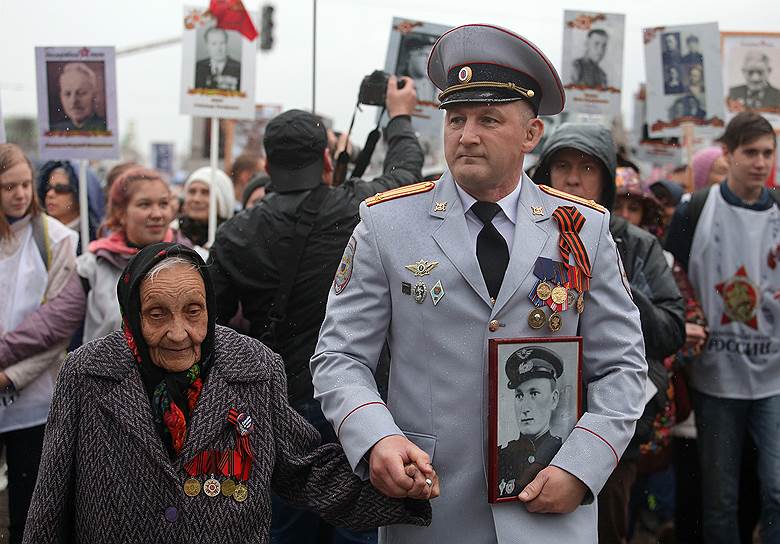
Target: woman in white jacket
x=37 y=260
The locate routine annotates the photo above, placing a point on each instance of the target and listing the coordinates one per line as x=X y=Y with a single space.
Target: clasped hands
x=398 y=468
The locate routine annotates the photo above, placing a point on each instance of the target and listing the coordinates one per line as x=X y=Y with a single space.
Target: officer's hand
x=387 y=466
x=421 y=489
x=553 y=491
x=400 y=101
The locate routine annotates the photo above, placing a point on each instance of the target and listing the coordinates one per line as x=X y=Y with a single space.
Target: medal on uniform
x=437 y=293
x=536 y=318
x=552 y=275
x=581 y=303
x=570 y=222
x=211 y=486
x=555 y=322
x=195 y=468
x=543 y=290
x=420 y=292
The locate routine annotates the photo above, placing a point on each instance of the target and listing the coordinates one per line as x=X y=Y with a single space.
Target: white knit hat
x=226 y=200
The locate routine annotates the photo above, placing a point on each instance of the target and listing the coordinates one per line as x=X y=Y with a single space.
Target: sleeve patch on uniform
x=344 y=272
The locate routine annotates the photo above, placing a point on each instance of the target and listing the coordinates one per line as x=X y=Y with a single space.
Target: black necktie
x=492 y=252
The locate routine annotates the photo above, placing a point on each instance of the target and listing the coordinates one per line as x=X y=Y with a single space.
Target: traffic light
x=267 y=28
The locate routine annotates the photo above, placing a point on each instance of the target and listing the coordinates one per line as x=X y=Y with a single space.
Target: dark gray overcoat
x=106 y=477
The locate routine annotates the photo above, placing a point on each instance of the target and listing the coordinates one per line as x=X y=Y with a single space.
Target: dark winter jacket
x=650 y=279
x=246 y=266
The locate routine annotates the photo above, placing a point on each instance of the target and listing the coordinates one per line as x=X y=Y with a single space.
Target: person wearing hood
x=580 y=159
x=58 y=189
x=194 y=219
x=139 y=215
x=255 y=191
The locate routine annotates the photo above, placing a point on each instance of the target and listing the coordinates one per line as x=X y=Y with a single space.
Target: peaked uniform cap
x=468 y=55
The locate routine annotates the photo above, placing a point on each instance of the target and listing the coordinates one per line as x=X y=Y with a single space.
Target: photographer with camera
x=278 y=259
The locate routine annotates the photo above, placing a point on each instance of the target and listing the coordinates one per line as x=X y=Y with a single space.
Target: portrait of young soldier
x=533 y=374
x=587 y=71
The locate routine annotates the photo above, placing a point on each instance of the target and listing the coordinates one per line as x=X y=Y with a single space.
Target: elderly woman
x=194 y=219
x=176 y=430
x=138 y=215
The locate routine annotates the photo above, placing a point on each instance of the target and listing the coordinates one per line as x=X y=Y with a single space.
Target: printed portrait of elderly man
x=757 y=92
x=533 y=374
x=218 y=71
x=78 y=89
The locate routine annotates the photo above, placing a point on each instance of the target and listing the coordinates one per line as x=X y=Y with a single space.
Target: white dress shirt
x=504 y=221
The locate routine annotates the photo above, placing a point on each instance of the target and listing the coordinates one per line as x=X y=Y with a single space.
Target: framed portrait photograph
x=77 y=117
x=535 y=400
x=684 y=79
x=751 y=73
x=407 y=55
x=218 y=69
x=592 y=64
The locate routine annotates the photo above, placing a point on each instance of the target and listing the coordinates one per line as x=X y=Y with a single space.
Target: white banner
x=592 y=64
x=218 y=69
x=684 y=82
x=77 y=114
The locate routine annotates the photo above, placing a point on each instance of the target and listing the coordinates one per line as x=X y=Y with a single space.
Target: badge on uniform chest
x=419 y=290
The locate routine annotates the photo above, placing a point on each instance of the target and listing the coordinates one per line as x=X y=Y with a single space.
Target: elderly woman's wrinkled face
x=174 y=319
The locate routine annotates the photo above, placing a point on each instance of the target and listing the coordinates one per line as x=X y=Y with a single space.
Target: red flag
x=232 y=15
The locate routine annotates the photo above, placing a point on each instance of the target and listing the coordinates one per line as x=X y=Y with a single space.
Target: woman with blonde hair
x=37 y=264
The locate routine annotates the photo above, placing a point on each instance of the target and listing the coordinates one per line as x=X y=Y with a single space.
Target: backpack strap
x=695 y=207
x=40 y=232
x=289 y=259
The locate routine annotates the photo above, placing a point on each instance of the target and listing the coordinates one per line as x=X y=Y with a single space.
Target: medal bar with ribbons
x=553 y=293
x=242 y=455
x=570 y=222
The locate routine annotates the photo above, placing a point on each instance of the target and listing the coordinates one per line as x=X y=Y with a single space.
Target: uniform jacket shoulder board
x=579 y=200
x=399 y=192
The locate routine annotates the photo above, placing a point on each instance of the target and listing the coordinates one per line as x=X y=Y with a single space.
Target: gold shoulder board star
x=537 y=210
x=440 y=207
x=422 y=267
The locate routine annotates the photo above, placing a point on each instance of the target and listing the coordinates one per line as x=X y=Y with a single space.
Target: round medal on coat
x=228 y=487
x=241 y=492
x=556 y=322
x=543 y=291
x=559 y=294
x=191 y=487
x=536 y=318
x=580 y=303
x=211 y=487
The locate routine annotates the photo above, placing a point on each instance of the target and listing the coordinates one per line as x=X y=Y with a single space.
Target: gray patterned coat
x=106 y=477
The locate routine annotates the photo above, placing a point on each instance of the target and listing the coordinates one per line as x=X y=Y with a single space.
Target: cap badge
x=464 y=75
x=524 y=353
x=525 y=367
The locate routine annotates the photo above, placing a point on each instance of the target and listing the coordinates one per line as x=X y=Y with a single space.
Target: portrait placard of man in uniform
x=218 y=70
x=586 y=70
x=412 y=61
x=536 y=405
x=76 y=96
x=756 y=92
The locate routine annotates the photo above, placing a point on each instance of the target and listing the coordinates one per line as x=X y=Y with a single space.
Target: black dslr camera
x=373 y=88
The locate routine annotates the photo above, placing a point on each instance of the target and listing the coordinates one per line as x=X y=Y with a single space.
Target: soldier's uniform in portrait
x=522 y=459
x=410 y=276
x=226 y=77
x=588 y=73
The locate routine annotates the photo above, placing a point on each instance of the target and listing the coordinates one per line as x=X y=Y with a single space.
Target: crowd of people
x=236 y=390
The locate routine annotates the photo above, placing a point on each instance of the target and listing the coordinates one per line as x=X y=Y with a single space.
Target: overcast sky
x=352 y=41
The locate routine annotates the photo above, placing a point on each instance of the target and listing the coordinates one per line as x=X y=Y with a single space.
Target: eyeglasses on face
x=60 y=188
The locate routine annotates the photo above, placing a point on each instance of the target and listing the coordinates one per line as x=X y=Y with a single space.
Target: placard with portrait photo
x=684 y=83
x=534 y=403
x=77 y=114
x=592 y=64
x=218 y=69
x=751 y=73
x=407 y=55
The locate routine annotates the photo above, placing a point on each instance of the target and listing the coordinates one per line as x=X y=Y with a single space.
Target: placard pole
x=214 y=154
x=83 y=206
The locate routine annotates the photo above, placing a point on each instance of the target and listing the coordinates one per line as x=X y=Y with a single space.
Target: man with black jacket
x=256 y=254
x=580 y=159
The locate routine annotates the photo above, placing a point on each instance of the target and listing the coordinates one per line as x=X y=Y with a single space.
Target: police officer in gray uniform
x=437 y=270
